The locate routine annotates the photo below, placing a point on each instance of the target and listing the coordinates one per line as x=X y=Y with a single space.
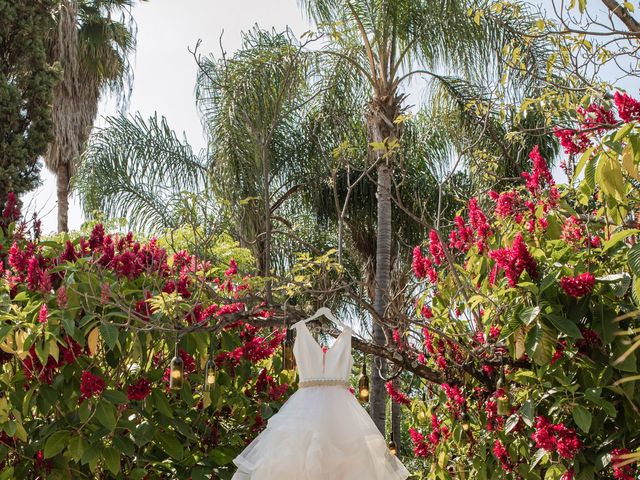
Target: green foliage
x=26 y=88
x=549 y=326
x=119 y=323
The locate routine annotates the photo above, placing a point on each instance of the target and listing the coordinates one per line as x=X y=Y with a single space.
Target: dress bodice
x=315 y=364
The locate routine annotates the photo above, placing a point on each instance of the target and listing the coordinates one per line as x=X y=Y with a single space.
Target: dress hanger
x=322 y=311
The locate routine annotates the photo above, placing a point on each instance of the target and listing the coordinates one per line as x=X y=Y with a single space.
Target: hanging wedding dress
x=321 y=432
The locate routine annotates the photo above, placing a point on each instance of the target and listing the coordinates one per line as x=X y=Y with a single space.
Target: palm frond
x=139 y=169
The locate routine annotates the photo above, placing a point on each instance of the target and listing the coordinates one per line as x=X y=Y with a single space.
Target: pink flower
x=574 y=142
x=515 y=260
x=628 y=108
x=426 y=312
x=43 y=315
x=105 y=293
x=626 y=472
x=494 y=332
x=556 y=438
x=501 y=454
x=233 y=268
x=596 y=116
x=11 y=210
x=435 y=248
x=579 y=285
x=540 y=176
x=139 y=390
x=61 y=297
x=420 y=446
x=397 y=396
x=90 y=385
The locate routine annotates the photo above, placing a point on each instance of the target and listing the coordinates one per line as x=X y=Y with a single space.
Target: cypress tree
x=26 y=89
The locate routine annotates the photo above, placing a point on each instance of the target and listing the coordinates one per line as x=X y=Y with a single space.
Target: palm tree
x=90 y=41
x=386 y=42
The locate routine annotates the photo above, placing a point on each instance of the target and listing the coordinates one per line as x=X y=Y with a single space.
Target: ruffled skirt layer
x=320 y=433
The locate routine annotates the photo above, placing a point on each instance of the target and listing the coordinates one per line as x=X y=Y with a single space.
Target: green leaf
x=56 y=443
x=106 y=414
x=537 y=457
x=582 y=417
x=554 y=472
x=124 y=445
x=222 y=456
x=564 y=325
x=170 y=444
x=143 y=433
x=77 y=446
x=529 y=314
x=161 y=402
x=527 y=412
x=115 y=396
x=609 y=177
x=109 y=334
x=623 y=132
x=112 y=459
x=582 y=162
x=618 y=237
x=633 y=257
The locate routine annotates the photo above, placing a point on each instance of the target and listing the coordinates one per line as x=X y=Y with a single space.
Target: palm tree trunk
x=382 y=111
x=383 y=256
x=62 y=188
x=377 y=130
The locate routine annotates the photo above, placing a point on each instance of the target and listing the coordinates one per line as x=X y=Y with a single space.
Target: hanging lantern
x=209 y=375
x=363 y=384
x=289 y=360
x=393 y=449
x=176 y=372
x=503 y=401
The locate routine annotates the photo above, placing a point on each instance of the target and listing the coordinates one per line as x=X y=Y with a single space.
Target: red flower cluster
x=501 y=454
x=266 y=383
x=139 y=390
x=397 y=396
x=508 y=204
x=254 y=349
x=596 y=117
x=422 y=266
x=435 y=248
x=32 y=367
x=574 y=142
x=11 y=211
x=625 y=472
x=233 y=268
x=515 y=260
x=43 y=315
x=628 y=108
x=568 y=475
x=540 y=176
x=90 y=385
x=557 y=355
x=420 y=447
x=555 y=438
x=578 y=286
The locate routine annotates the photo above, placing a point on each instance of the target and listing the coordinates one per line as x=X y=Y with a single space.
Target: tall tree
x=387 y=42
x=91 y=41
x=26 y=86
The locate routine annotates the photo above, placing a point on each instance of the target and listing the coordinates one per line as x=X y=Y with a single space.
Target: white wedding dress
x=321 y=432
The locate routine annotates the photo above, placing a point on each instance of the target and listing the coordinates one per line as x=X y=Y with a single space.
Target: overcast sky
x=165 y=71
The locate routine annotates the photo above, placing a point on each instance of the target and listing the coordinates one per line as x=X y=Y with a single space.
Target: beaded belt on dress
x=323 y=382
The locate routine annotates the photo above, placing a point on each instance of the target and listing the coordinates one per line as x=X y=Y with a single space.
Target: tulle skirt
x=320 y=433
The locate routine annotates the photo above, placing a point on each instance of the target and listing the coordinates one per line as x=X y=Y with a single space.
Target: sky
x=165 y=70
